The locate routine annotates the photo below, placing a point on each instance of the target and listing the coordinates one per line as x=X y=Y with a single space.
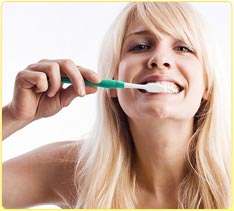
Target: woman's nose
x=159 y=61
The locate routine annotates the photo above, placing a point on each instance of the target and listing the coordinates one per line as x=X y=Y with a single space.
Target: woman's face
x=144 y=59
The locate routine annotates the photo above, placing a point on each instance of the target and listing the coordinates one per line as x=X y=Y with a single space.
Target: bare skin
x=153 y=120
x=161 y=124
x=44 y=175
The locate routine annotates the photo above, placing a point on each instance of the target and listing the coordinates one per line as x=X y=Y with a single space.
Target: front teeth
x=170 y=87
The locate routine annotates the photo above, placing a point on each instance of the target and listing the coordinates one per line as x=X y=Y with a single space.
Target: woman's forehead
x=156 y=25
x=136 y=27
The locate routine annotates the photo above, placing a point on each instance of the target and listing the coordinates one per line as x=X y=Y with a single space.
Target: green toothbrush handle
x=106 y=83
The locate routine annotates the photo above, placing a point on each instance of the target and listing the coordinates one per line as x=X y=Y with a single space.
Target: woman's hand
x=38 y=89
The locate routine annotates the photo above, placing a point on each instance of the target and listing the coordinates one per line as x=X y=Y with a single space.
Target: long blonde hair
x=104 y=174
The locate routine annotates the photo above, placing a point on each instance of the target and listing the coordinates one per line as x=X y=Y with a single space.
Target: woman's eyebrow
x=140 y=32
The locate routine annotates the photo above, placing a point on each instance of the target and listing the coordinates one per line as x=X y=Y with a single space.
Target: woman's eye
x=139 y=48
x=184 y=49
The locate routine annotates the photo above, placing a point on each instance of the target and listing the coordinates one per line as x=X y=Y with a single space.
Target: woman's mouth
x=170 y=87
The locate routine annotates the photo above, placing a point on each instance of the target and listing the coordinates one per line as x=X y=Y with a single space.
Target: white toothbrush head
x=150 y=87
x=154 y=88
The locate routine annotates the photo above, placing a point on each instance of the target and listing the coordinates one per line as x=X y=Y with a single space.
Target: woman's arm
x=10 y=123
x=42 y=176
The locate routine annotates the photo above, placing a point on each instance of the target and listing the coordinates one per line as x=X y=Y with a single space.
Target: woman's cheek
x=124 y=70
x=128 y=67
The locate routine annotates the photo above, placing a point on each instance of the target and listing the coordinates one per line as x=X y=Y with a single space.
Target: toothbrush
x=113 y=84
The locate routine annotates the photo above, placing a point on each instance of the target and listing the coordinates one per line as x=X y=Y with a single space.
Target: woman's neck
x=160 y=156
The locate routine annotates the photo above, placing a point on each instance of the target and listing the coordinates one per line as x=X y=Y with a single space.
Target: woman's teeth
x=170 y=87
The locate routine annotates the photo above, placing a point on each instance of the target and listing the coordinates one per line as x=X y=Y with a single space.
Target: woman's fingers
x=54 y=69
x=69 y=69
x=38 y=89
x=89 y=75
x=28 y=79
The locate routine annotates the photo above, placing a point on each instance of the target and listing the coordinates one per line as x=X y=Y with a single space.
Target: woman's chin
x=159 y=112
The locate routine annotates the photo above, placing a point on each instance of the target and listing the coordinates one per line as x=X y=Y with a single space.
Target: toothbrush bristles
x=154 y=88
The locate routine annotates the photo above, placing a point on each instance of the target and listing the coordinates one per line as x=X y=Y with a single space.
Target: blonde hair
x=104 y=174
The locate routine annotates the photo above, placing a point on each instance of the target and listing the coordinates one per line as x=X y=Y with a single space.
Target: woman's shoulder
x=64 y=151
x=62 y=159
x=50 y=169
x=62 y=154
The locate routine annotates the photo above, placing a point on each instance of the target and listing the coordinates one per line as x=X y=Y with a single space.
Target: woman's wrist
x=10 y=123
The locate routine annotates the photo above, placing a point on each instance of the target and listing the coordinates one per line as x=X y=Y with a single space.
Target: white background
x=35 y=31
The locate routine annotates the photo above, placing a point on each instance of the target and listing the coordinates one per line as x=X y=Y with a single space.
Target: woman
x=147 y=150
